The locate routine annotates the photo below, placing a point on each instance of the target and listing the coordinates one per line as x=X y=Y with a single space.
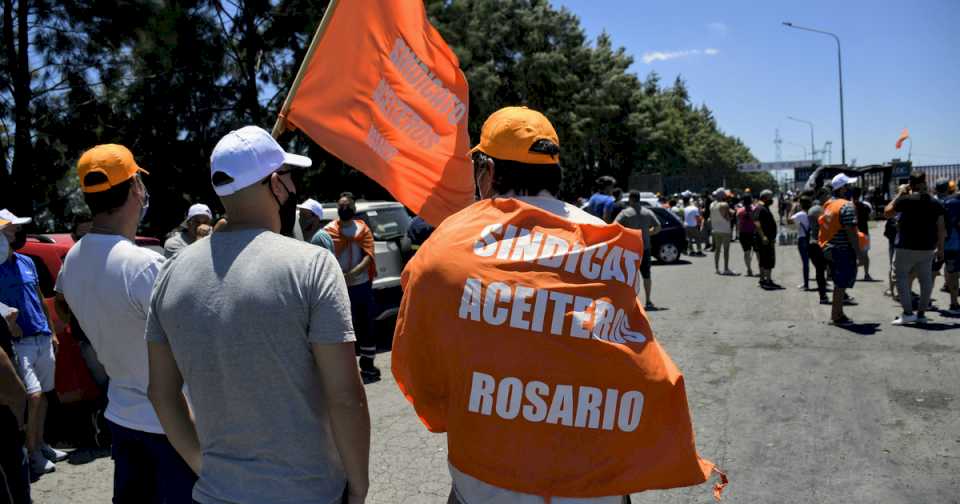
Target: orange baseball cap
x=519 y=134
x=112 y=160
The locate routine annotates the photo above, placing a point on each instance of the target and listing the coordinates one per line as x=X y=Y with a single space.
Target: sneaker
x=52 y=454
x=842 y=321
x=729 y=273
x=649 y=306
x=905 y=319
x=367 y=369
x=825 y=301
x=953 y=310
x=40 y=465
x=922 y=319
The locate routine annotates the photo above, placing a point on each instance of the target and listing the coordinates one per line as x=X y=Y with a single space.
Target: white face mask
x=4 y=247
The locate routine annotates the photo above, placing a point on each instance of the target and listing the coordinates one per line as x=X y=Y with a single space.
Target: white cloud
x=718 y=27
x=651 y=56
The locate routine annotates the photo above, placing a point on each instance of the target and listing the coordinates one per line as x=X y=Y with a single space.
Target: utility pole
x=843 y=139
x=777 y=145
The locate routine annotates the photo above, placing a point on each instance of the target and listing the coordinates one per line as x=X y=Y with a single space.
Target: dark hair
x=806 y=202
x=604 y=181
x=105 y=201
x=686 y=201
x=635 y=195
x=348 y=195
x=918 y=177
x=747 y=200
x=856 y=192
x=523 y=178
x=617 y=193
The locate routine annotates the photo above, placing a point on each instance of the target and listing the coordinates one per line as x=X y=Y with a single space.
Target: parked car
x=389 y=222
x=73 y=380
x=671 y=241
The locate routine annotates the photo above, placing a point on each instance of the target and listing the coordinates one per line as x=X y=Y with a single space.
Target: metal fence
x=937 y=172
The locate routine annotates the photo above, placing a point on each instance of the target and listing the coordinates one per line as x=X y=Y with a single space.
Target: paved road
x=794 y=410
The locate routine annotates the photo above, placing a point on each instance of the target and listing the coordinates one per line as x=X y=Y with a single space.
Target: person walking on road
x=921 y=239
x=692 y=220
x=354 y=249
x=721 y=223
x=35 y=343
x=256 y=324
x=747 y=231
x=636 y=216
x=864 y=213
x=802 y=220
x=840 y=243
x=951 y=249
x=766 y=228
x=814 y=251
x=105 y=283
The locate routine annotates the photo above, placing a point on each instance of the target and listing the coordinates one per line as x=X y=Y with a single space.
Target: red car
x=74 y=382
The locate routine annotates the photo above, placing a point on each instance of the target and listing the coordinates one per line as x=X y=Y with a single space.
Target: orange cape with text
x=363 y=238
x=521 y=336
x=384 y=93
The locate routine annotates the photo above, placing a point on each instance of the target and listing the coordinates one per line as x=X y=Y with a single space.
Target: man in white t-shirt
x=106 y=281
x=691 y=222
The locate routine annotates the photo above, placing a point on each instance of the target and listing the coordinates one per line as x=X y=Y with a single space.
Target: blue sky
x=901 y=68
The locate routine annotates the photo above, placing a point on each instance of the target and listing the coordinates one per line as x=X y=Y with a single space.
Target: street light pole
x=843 y=139
x=813 y=150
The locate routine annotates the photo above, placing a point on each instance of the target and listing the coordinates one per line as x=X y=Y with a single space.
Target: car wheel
x=668 y=253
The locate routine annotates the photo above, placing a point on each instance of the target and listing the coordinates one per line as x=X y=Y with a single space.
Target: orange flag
x=383 y=92
x=905 y=134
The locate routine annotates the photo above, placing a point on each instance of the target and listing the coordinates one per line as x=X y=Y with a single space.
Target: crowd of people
x=232 y=356
x=832 y=232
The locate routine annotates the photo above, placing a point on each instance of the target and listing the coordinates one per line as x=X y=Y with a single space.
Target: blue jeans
x=361 y=310
x=147 y=469
x=804 y=249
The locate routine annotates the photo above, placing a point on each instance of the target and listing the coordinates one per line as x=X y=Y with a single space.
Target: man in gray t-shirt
x=257 y=325
x=637 y=217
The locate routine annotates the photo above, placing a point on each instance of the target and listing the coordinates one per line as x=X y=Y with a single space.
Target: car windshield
x=387 y=223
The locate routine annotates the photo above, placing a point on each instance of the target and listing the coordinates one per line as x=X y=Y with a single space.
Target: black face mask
x=346 y=213
x=288 y=211
x=19 y=240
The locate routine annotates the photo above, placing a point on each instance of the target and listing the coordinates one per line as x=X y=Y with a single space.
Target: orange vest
x=521 y=336
x=830 y=221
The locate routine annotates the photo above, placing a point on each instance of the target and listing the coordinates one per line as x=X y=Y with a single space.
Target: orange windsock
x=905 y=134
x=383 y=92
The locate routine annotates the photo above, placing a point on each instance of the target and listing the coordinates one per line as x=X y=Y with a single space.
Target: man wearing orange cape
x=353 y=248
x=521 y=336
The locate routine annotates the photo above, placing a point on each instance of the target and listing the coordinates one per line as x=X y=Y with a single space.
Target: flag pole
x=910 y=150
x=281 y=125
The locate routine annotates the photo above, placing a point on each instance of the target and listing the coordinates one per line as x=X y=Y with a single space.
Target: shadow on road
x=936 y=326
x=83 y=456
x=862 y=329
x=679 y=262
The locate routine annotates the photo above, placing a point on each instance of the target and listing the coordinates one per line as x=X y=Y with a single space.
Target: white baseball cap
x=842 y=180
x=7 y=215
x=199 y=209
x=246 y=156
x=313 y=206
